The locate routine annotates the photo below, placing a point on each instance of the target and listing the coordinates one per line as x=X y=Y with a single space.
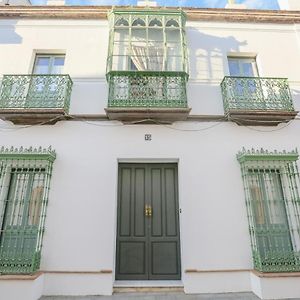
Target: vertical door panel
x=139 y=202
x=156 y=202
x=132 y=245
x=171 y=207
x=125 y=199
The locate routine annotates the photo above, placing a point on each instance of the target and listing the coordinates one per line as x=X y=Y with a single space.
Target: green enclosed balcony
x=147 y=65
x=147 y=95
x=257 y=100
x=35 y=99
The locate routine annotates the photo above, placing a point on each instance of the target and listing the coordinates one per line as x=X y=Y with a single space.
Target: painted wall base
x=265 y=286
x=21 y=287
x=77 y=284
x=275 y=286
x=216 y=282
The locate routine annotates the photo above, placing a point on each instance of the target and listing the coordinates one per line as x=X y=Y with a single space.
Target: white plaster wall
x=217 y=282
x=276 y=287
x=22 y=289
x=77 y=284
x=85 y=43
x=81 y=219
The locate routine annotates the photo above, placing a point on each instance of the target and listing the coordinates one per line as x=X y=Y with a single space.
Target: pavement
x=161 y=296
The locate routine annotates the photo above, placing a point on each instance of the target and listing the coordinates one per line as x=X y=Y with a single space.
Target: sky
x=257 y=4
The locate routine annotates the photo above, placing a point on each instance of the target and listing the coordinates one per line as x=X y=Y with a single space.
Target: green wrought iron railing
x=24 y=187
x=35 y=92
x=271 y=186
x=147 y=89
x=256 y=93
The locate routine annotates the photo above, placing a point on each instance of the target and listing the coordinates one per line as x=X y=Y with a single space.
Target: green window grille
x=24 y=187
x=147 y=58
x=271 y=185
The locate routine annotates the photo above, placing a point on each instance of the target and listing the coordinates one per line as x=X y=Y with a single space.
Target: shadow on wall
x=208 y=53
x=8 y=33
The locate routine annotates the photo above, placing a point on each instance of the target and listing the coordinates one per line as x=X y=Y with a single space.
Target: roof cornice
x=193 y=14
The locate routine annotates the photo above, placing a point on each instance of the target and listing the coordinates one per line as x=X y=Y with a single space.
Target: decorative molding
x=27 y=153
x=263 y=155
x=192 y=271
x=193 y=14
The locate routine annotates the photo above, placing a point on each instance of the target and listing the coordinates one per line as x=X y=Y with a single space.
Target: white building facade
x=152 y=115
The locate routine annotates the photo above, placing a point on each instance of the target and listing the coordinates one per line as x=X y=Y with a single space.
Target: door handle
x=148 y=210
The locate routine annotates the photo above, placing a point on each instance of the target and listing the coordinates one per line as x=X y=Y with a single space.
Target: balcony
x=257 y=100
x=35 y=99
x=147 y=96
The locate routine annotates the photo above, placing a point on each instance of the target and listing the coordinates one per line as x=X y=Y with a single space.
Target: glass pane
x=36 y=199
x=138 y=34
x=119 y=63
x=139 y=57
x=42 y=65
x=247 y=69
x=174 y=63
x=173 y=35
x=139 y=22
x=155 y=23
x=121 y=34
x=58 y=64
x=155 y=58
x=120 y=48
x=172 y=23
x=155 y=35
x=234 y=68
x=173 y=49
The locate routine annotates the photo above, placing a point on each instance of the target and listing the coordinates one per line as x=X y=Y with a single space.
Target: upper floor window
x=143 y=40
x=242 y=66
x=49 y=64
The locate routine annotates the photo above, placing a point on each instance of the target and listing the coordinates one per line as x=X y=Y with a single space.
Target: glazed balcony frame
x=147 y=95
x=147 y=65
x=257 y=100
x=35 y=99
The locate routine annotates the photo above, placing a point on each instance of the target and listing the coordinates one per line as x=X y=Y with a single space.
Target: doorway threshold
x=148 y=283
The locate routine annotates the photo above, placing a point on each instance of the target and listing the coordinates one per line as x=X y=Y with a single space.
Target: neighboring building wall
x=80 y=237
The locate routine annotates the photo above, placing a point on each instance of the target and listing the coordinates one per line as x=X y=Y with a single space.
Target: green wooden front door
x=148 y=244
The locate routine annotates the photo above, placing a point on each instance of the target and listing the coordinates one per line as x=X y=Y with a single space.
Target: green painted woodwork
x=147 y=58
x=36 y=92
x=147 y=40
x=147 y=89
x=25 y=175
x=148 y=245
x=271 y=186
x=256 y=93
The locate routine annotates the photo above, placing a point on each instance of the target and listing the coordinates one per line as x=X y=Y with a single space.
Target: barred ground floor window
x=24 y=187
x=271 y=185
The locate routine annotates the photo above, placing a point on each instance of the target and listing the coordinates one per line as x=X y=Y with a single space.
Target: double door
x=148 y=244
